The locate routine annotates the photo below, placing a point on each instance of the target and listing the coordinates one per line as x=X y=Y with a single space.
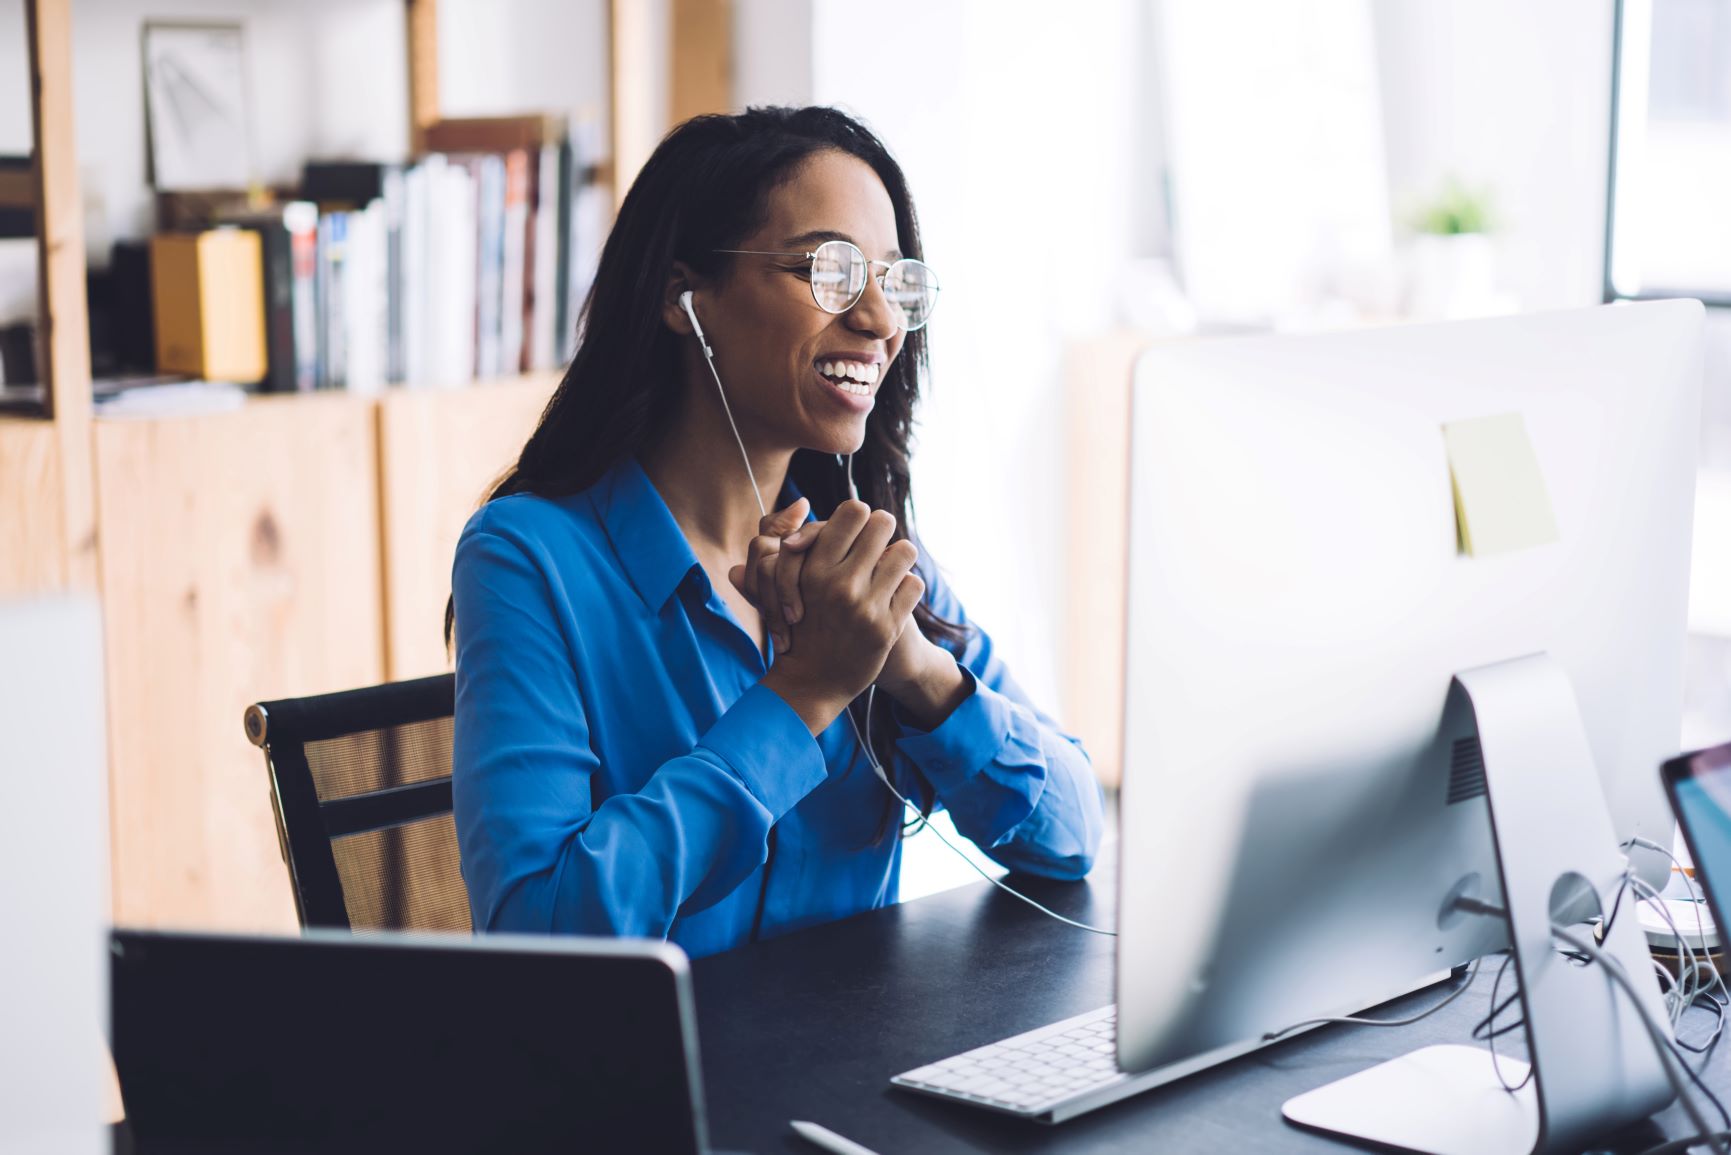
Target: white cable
x=871 y=694
x=1698 y=899
x=1661 y=1043
x=1357 y=1020
x=871 y=691
x=709 y=359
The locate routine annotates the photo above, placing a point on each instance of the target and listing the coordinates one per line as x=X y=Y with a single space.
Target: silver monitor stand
x=1556 y=852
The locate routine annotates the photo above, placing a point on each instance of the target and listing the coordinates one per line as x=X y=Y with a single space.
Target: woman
x=651 y=675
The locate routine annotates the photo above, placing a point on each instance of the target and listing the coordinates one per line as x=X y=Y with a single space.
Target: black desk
x=812 y=1026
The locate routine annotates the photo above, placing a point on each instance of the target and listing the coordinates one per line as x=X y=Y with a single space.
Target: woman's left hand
x=919 y=674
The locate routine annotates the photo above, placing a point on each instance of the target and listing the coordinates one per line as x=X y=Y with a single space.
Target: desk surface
x=814 y=1024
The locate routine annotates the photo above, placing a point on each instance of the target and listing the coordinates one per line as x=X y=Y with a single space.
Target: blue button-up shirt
x=620 y=770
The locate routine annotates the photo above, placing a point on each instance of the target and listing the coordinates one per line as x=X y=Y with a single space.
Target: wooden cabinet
x=439 y=453
x=240 y=561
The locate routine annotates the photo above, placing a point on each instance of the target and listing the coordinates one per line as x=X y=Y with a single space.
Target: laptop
x=1699 y=785
x=339 y=1042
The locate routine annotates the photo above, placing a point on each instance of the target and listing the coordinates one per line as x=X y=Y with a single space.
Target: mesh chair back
x=361 y=785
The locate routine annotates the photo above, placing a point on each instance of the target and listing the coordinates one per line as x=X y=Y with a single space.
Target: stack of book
x=470 y=262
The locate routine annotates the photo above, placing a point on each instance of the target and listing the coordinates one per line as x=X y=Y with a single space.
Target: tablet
x=1699 y=786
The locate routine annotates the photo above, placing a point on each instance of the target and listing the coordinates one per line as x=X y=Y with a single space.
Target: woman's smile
x=851 y=377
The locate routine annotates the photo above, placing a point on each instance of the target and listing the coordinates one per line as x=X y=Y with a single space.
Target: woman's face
x=798 y=377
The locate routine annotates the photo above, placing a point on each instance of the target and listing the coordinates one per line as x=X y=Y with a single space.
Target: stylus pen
x=829 y=1140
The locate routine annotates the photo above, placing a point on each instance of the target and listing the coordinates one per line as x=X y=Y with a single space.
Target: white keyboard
x=1040 y=1073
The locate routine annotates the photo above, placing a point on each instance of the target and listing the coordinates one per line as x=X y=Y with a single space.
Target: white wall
x=1012 y=122
x=1515 y=97
x=498 y=57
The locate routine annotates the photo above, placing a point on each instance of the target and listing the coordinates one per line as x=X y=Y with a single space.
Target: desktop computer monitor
x=1295 y=820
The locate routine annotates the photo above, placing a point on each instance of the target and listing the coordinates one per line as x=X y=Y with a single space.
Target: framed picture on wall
x=1668 y=208
x=195 y=91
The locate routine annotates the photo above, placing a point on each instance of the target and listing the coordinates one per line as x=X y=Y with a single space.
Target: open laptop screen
x=333 y=1042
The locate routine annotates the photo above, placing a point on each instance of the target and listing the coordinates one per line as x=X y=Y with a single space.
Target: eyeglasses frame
x=886 y=265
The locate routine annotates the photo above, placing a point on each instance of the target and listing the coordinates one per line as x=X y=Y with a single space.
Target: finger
x=838 y=536
x=869 y=546
x=761 y=547
x=787 y=587
x=907 y=596
x=769 y=610
x=784 y=521
x=895 y=564
x=736 y=577
x=804 y=537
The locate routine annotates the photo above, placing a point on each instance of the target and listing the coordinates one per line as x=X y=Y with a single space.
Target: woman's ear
x=680 y=281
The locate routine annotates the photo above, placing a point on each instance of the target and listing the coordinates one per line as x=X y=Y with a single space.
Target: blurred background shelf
x=293 y=543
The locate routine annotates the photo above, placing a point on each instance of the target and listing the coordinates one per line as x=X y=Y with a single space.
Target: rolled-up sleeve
x=538 y=854
x=1014 y=783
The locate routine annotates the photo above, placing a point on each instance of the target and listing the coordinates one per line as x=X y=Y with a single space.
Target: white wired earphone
x=871 y=691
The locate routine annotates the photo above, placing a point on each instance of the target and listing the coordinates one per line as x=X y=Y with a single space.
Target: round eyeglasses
x=838 y=280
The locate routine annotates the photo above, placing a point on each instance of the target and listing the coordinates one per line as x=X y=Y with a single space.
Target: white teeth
x=852 y=377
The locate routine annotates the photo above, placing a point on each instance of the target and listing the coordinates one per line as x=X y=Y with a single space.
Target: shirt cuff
x=964 y=743
x=766 y=745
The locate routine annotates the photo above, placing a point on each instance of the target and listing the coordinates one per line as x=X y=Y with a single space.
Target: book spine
x=275 y=249
x=513 y=260
x=393 y=209
x=544 y=315
x=335 y=266
x=489 y=277
x=301 y=221
x=415 y=273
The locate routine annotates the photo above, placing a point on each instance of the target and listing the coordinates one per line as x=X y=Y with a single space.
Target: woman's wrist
x=933 y=692
x=815 y=708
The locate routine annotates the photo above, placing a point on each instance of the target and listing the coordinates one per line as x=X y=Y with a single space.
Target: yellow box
x=208 y=290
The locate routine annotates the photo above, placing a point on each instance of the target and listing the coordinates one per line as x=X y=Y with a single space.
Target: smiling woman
x=651 y=673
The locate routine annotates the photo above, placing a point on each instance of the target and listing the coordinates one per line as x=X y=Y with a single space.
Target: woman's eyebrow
x=818 y=236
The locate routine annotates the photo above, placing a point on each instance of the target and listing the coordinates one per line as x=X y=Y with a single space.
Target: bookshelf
x=297 y=545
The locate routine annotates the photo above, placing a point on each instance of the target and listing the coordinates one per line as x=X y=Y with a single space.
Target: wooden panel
x=240 y=562
x=701 y=74
x=1097 y=407
x=439 y=452
x=633 y=55
x=423 y=29
x=32 y=548
x=60 y=281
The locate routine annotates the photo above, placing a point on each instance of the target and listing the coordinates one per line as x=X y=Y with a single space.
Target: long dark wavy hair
x=706 y=187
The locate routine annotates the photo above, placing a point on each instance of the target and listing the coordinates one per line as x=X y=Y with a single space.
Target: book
x=17 y=197
x=208 y=291
x=513 y=261
x=355 y=185
x=489 y=261
x=542 y=307
x=287 y=235
x=495 y=133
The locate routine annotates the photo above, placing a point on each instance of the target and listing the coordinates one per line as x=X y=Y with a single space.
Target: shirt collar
x=651 y=546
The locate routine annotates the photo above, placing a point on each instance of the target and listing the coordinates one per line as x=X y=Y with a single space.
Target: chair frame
x=305 y=826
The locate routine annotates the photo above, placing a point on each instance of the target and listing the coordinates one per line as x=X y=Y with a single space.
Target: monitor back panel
x=1293 y=816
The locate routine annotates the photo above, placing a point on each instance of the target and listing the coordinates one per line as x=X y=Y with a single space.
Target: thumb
x=784 y=521
x=737 y=575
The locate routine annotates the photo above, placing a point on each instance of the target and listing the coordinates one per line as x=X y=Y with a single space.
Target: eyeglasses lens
x=912 y=290
x=838 y=275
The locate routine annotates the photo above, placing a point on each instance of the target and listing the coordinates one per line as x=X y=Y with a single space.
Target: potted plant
x=1453 y=257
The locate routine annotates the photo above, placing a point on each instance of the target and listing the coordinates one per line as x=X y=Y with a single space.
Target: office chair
x=361 y=785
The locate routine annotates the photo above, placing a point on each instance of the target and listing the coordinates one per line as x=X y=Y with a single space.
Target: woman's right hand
x=858 y=593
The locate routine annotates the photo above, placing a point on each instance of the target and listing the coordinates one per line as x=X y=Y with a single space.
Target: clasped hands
x=838 y=598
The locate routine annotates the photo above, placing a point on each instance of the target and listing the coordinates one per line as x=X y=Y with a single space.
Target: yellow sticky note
x=1501 y=502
